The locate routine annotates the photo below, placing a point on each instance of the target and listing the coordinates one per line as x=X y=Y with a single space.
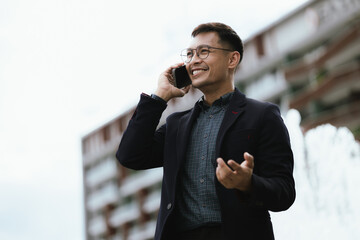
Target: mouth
x=197 y=71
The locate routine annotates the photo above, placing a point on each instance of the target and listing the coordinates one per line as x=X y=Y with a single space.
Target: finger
x=234 y=165
x=185 y=90
x=223 y=169
x=222 y=164
x=218 y=172
x=179 y=64
x=249 y=160
x=222 y=172
x=176 y=65
x=169 y=77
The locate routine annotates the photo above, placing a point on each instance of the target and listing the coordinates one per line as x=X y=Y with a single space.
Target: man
x=226 y=161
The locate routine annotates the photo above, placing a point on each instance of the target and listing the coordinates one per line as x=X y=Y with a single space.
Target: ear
x=234 y=59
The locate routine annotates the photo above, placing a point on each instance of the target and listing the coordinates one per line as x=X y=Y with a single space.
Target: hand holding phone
x=168 y=88
x=181 y=77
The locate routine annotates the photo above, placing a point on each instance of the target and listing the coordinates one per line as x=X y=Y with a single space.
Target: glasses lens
x=186 y=55
x=203 y=52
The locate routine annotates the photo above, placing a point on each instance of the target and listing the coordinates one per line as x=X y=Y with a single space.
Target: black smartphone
x=181 y=77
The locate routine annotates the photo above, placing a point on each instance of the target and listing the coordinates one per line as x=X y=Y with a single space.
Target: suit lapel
x=235 y=109
x=184 y=129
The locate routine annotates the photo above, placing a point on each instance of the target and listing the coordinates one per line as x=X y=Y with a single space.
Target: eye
x=204 y=51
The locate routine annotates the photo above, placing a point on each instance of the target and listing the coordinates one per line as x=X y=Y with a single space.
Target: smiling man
x=227 y=161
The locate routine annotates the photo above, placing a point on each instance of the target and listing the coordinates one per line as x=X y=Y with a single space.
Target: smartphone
x=181 y=77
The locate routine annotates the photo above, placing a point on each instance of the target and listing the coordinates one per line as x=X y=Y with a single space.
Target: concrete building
x=121 y=203
x=308 y=60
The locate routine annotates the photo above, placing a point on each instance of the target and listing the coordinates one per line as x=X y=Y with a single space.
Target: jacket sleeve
x=273 y=183
x=141 y=146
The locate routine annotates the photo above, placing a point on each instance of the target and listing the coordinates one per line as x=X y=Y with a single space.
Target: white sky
x=68 y=66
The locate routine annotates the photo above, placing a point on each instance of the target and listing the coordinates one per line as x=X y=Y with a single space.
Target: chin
x=197 y=83
x=200 y=83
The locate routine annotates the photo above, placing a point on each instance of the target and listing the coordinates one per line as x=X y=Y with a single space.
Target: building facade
x=121 y=203
x=308 y=60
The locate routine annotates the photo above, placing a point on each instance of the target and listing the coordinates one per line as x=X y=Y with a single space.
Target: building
x=308 y=60
x=121 y=203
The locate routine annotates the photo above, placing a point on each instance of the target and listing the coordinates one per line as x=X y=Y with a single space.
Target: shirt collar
x=222 y=101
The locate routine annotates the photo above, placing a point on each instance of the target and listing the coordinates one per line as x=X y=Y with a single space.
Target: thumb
x=249 y=160
x=220 y=162
x=185 y=90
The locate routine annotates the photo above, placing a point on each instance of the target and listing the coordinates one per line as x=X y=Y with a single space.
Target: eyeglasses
x=202 y=52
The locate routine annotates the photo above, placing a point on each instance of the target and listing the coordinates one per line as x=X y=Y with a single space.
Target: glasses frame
x=197 y=52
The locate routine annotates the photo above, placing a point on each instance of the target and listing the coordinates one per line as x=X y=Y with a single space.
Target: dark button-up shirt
x=197 y=202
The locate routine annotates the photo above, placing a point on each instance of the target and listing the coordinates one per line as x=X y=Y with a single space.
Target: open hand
x=239 y=177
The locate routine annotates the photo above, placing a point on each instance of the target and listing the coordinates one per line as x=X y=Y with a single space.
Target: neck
x=210 y=96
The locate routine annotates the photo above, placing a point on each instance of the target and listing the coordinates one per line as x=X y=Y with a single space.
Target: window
x=259 y=43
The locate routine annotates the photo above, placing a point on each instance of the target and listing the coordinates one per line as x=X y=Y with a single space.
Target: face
x=212 y=72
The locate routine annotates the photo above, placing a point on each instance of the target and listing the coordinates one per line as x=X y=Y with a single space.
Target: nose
x=195 y=58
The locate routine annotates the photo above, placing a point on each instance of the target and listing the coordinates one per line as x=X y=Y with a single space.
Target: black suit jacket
x=248 y=126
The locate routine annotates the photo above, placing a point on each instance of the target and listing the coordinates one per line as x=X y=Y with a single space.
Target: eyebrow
x=202 y=45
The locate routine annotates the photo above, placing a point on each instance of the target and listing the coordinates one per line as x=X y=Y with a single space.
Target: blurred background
x=71 y=73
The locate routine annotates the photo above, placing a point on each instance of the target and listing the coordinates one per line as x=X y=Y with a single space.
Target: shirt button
x=169 y=206
x=211 y=116
x=205 y=135
x=202 y=180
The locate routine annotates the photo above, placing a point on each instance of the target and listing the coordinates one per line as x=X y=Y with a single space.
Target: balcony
x=141 y=180
x=124 y=214
x=97 y=226
x=342 y=80
x=107 y=195
x=147 y=232
x=102 y=172
x=152 y=202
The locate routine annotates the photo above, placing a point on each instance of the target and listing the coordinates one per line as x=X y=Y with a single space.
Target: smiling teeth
x=197 y=71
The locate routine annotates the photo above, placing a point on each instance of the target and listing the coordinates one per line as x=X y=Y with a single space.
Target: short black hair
x=225 y=32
